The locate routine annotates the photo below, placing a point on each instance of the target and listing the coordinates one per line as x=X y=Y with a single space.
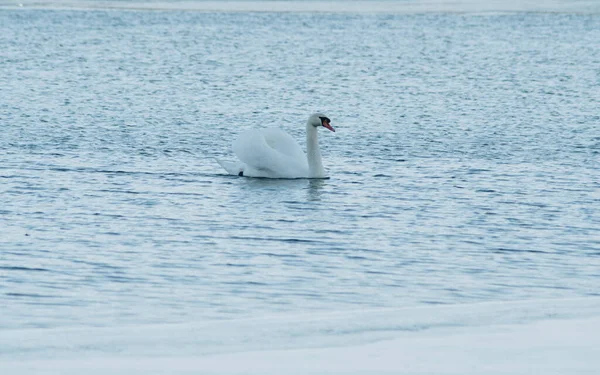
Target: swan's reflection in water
x=316 y=189
x=271 y=184
x=257 y=189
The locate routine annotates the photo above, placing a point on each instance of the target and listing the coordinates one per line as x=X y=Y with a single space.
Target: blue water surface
x=465 y=166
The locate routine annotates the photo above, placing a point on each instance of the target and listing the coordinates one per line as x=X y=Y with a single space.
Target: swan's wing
x=284 y=143
x=272 y=153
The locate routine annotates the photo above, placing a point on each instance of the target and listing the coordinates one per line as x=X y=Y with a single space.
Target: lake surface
x=465 y=166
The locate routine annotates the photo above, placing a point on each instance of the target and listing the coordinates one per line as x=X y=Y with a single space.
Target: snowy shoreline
x=548 y=347
x=328 y=6
x=546 y=336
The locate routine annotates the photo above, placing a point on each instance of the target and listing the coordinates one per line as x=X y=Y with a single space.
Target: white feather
x=273 y=153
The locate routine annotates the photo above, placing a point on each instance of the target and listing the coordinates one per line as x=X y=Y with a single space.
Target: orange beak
x=326 y=124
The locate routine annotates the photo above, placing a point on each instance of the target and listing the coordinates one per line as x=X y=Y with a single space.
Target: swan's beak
x=326 y=125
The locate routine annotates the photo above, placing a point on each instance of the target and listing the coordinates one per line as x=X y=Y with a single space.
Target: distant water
x=465 y=166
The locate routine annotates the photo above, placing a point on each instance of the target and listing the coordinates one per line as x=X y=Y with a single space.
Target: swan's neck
x=313 y=154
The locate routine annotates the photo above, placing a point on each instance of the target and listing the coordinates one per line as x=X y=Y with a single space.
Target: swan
x=273 y=153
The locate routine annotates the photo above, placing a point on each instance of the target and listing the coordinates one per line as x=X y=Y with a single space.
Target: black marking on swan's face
x=324 y=120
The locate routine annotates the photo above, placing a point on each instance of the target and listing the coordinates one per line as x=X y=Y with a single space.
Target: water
x=464 y=167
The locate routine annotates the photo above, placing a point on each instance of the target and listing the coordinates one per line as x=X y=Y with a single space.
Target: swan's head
x=319 y=119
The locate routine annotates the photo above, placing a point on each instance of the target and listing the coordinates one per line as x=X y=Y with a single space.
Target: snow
x=360 y=6
x=528 y=337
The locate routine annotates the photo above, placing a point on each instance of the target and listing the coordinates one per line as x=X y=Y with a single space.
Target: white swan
x=272 y=153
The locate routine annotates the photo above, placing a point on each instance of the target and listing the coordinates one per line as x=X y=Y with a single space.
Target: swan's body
x=272 y=153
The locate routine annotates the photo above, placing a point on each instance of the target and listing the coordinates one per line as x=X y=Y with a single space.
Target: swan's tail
x=232 y=167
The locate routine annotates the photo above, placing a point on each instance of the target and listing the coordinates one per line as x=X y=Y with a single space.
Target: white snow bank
x=548 y=347
x=535 y=337
x=354 y=6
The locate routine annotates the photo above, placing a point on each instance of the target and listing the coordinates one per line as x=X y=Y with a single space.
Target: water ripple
x=464 y=168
